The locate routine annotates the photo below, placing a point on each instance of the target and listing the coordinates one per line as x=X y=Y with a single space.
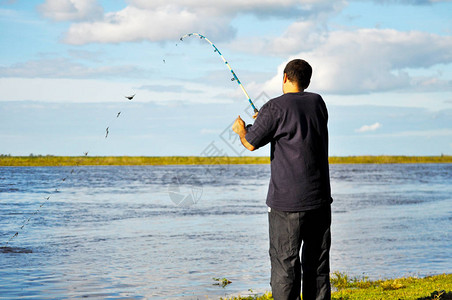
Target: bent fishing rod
x=234 y=78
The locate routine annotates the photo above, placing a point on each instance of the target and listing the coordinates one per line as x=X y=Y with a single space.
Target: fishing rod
x=234 y=78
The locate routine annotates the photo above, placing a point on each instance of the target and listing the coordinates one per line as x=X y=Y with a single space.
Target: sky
x=383 y=67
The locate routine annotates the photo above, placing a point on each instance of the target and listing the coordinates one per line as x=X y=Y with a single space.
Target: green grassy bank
x=437 y=287
x=125 y=160
x=49 y=160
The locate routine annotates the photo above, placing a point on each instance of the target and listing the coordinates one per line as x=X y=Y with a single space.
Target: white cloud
x=367 y=128
x=71 y=10
x=135 y=24
x=300 y=35
x=373 y=60
x=163 y=20
x=282 y=8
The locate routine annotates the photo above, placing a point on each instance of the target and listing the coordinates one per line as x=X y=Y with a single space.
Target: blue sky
x=384 y=68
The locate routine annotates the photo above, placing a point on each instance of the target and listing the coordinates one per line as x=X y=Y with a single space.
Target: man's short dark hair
x=299 y=72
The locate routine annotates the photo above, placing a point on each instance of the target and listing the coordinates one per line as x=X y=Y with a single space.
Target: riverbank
x=50 y=160
x=437 y=287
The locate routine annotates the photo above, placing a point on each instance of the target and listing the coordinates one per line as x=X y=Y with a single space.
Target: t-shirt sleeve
x=264 y=127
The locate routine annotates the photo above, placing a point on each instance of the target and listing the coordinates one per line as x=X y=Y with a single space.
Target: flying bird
x=164 y=61
x=130 y=97
x=106 y=132
x=118 y=114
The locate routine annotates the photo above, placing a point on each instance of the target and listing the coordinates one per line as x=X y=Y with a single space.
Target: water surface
x=163 y=232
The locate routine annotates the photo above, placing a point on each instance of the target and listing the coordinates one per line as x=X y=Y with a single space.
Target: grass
x=125 y=160
x=50 y=160
x=407 y=288
x=385 y=159
x=400 y=288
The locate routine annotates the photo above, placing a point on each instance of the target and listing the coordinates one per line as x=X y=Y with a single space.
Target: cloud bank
x=158 y=21
x=370 y=60
x=354 y=61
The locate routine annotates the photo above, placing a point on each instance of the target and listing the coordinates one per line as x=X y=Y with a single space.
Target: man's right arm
x=239 y=128
x=263 y=129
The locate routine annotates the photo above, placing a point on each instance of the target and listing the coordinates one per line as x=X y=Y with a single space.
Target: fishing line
x=234 y=78
x=107 y=131
x=62 y=180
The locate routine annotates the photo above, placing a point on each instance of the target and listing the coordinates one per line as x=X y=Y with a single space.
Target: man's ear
x=285 y=78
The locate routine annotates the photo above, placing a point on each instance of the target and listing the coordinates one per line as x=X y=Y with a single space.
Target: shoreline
x=59 y=161
x=436 y=287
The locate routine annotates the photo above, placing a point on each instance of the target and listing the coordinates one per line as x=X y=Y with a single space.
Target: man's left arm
x=239 y=128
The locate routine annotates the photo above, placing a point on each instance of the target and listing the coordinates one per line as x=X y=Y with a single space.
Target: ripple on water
x=15 y=250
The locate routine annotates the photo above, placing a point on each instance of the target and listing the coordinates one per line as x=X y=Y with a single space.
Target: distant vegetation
x=125 y=160
x=384 y=159
x=49 y=160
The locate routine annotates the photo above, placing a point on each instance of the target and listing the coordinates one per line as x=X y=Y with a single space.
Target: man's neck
x=290 y=87
x=293 y=89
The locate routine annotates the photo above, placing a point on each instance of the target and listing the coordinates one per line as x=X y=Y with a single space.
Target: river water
x=164 y=232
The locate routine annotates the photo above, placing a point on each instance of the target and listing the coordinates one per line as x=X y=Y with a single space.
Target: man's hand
x=255 y=115
x=239 y=127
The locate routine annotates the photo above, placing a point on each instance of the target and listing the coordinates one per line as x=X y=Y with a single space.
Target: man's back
x=296 y=126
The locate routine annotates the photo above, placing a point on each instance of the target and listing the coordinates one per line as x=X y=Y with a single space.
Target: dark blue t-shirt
x=296 y=126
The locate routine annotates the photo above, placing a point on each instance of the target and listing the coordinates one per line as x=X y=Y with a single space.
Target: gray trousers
x=288 y=231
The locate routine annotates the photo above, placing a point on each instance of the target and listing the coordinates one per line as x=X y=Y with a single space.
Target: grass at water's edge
x=386 y=159
x=49 y=160
x=438 y=287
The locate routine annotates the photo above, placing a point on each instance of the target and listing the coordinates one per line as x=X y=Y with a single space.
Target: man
x=299 y=194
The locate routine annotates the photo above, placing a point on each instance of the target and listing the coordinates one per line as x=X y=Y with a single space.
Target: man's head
x=298 y=72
